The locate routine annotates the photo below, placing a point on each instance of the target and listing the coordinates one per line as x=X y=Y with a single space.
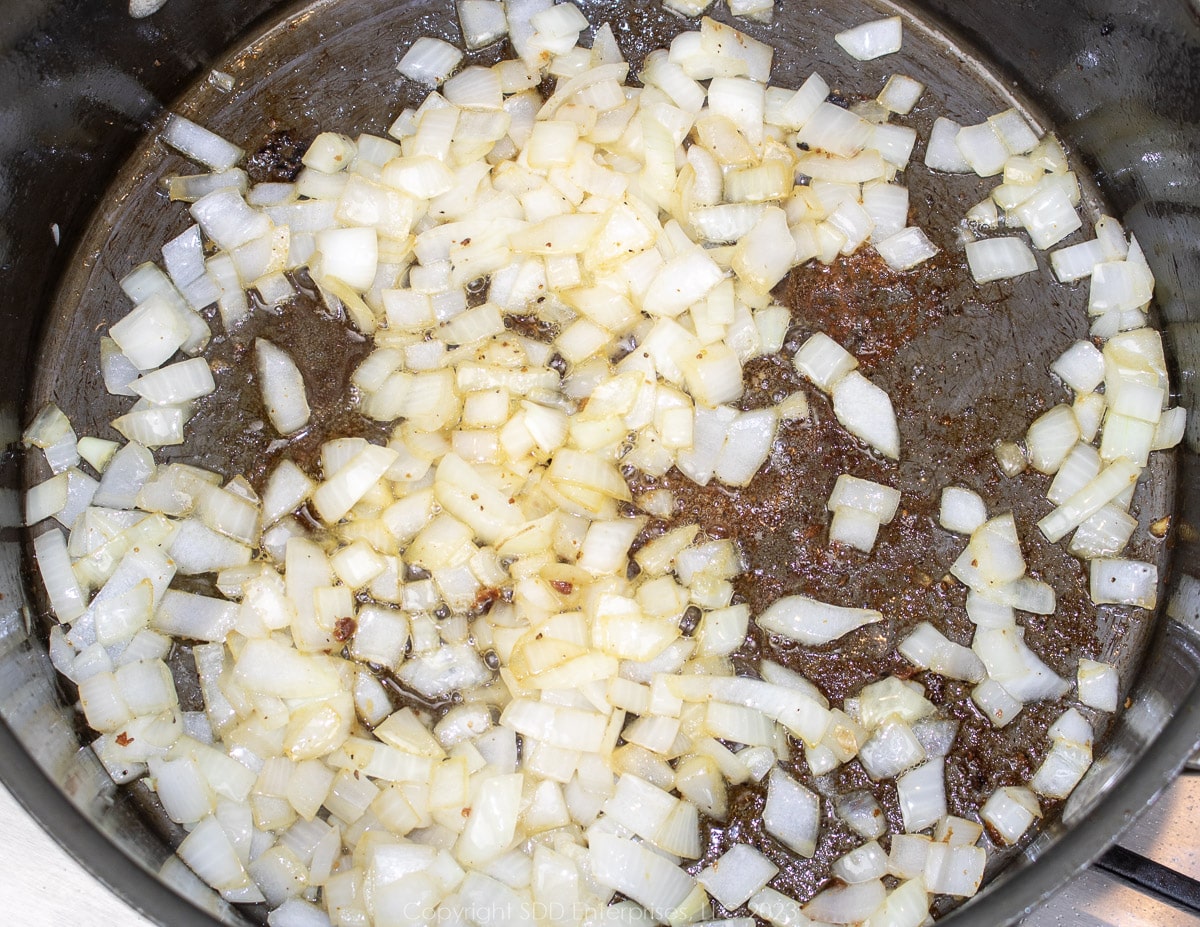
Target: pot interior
x=965 y=365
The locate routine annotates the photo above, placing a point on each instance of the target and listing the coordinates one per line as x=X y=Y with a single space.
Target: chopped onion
x=199 y=144
x=792 y=813
x=999 y=259
x=1009 y=812
x=736 y=875
x=872 y=40
x=1124 y=582
x=430 y=61
x=811 y=622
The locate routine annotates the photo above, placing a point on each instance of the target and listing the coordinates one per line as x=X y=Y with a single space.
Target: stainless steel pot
x=80 y=84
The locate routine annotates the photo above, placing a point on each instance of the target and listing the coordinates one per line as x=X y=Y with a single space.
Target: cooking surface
x=43 y=887
x=966 y=351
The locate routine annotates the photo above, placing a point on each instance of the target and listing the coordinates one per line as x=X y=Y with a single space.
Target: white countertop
x=43 y=887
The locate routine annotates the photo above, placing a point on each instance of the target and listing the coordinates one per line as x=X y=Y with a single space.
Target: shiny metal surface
x=80 y=82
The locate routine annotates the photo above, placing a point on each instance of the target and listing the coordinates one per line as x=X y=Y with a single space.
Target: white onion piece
x=927 y=648
x=908 y=855
x=1061 y=769
x=282 y=386
x=198 y=617
x=149 y=335
x=736 y=875
x=962 y=510
x=900 y=94
x=954 y=869
x=999 y=259
x=1124 y=582
x=823 y=361
x=199 y=144
x=982 y=148
x=862 y=864
x=792 y=813
x=1113 y=480
x=1081 y=367
x=639 y=873
x=1098 y=685
x=128 y=470
x=922 y=795
x=891 y=750
x=905 y=249
x=1051 y=437
x=429 y=61
x=942 y=152
x=777 y=908
x=483 y=22
x=864 y=495
x=54 y=564
x=176 y=383
x=846 y=904
x=1009 y=812
x=866 y=412
x=811 y=622
x=906 y=906
x=872 y=40
x=862 y=813
x=1011 y=662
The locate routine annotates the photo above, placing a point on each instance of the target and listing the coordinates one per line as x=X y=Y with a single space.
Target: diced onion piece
x=639 y=873
x=866 y=412
x=792 y=813
x=97 y=452
x=763 y=257
x=900 y=94
x=982 y=148
x=1113 y=480
x=873 y=39
x=854 y=528
x=1011 y=662
x=922 y=795
x=1048 y=216
x=150 y=334
x=482 y=21
x=862 y=813
x=861 y=864
x=199 y=144
x=823 y=361
x=1081 y=367
x=54 y=564
x=283 y=389
x=429 y=61
x=1051 y=437
x=1098 y=685
x=736 y=875
x=1009 y=812
x=864 y=495
x=198 y=617
x=962 y=510
x=1124 y=582
x=891 y=750
x=177 y=383
x=942 y=152
x=954 y=869
x=906 y=249
x=846 y=904
x=811 y=622
x=927 y=648
x=999 y=259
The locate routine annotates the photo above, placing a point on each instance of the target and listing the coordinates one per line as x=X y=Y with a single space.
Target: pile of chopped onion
x=646 y=226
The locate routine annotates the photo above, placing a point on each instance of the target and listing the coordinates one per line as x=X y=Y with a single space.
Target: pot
x=83 y=83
